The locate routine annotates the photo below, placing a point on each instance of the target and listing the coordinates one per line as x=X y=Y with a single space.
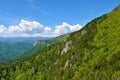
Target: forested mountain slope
x=12 y=48
x=9 y=51
x=39 y=45
x=92 y=53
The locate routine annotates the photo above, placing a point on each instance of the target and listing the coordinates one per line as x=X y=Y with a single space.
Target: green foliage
x=93 y=53
x=18 y=50
x=9 y=51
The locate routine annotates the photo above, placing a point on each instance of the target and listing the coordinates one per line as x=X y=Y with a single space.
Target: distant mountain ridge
x=40 y=45
x=22 y=39
x=11 y=48
x=52 y=40
x=92 y=53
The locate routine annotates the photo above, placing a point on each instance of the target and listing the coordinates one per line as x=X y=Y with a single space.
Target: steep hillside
x=93 y=53
x=39 y=45
x=51 y=41
x=13 y=48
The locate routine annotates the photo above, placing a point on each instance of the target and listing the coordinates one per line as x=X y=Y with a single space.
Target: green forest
x=92 y=53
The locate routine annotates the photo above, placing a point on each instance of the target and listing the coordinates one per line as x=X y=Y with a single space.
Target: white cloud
x=66 y=28
x=35 y=29
x=30 y=27
x=2 y=29
x=13 y=29
x=47 y=29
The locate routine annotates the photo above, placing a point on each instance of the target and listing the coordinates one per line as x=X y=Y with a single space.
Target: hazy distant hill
x=92 y=53
x=13 y=47
x=22 y=39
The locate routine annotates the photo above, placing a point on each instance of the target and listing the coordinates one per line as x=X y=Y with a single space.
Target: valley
x=92 y=53
x=12 y=48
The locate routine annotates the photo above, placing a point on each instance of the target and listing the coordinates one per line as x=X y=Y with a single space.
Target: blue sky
x=50 y=14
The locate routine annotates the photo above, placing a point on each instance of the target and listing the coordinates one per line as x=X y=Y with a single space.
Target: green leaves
x=94 y=54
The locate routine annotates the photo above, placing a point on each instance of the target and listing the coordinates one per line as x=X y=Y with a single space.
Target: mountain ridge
x=91 y=53
x=12 y=48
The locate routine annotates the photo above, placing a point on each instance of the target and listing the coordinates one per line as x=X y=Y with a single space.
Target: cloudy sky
x=49 y=18
x=34 y=29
